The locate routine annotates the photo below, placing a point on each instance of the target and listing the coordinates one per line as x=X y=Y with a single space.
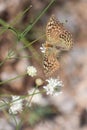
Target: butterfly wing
x=50 y=63
x=57 y=35
x=66 y=40
x=53 y=30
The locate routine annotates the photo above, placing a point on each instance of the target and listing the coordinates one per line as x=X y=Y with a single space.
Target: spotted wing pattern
x=57 y=35
x=50 y=63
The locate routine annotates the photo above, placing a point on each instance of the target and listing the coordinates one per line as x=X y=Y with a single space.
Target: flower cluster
x=31 y=71
x=53 y=87
x=16 y=105
x=34 y=96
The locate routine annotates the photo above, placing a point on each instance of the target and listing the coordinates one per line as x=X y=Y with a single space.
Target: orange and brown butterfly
x=57 y=39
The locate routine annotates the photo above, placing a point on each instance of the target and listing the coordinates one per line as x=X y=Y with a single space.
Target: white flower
x=53 y=87
x=35 y=97
x=16 y=105
x=43 y=48
x=31 y=71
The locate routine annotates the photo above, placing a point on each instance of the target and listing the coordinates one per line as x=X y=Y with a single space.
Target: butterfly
x=58 y=39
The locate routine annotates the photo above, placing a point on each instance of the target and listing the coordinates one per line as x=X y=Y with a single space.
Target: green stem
x=30 y=26
x=19 y=15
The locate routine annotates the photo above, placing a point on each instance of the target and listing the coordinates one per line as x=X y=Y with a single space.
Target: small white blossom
x=31 y=71
x=53 y=87
x=43 y=49
x=16 y=105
